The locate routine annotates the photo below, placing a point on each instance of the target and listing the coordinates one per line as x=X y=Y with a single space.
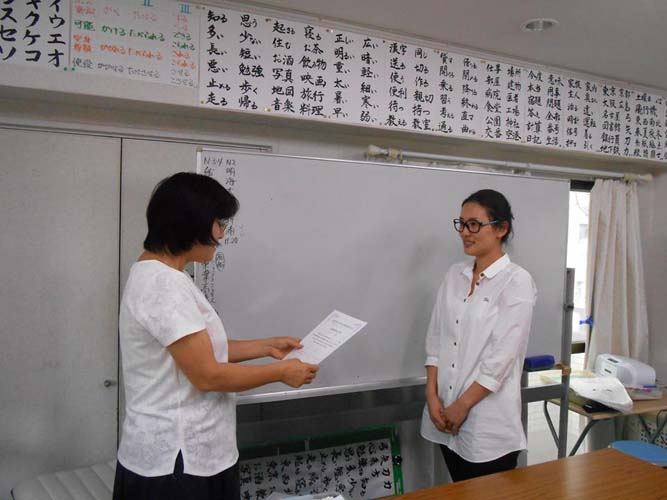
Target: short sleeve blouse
x=164 y=412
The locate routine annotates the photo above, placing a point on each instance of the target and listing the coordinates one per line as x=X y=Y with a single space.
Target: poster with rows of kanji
x=261 y=64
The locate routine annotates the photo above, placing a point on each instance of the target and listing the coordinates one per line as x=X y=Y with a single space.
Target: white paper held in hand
x=325 y=338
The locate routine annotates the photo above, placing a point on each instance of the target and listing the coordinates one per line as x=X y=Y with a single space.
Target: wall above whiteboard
x=259 y=65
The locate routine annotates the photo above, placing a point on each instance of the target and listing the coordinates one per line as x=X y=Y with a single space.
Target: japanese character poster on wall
x=151 y=40
x=359 y=466
x=35 y=32
x=251 y=62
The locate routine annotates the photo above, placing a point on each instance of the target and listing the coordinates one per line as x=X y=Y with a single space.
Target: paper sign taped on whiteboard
x=325 y=338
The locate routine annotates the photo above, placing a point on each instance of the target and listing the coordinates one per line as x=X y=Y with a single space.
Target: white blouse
x=164 y=412
x=481 y=338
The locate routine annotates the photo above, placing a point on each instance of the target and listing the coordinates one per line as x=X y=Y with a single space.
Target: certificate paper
x=326 y=337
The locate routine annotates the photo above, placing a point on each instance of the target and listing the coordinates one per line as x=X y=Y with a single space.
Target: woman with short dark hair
x=180 y=371
x=475 y=346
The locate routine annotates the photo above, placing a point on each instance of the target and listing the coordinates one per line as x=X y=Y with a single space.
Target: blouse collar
x=490 y=271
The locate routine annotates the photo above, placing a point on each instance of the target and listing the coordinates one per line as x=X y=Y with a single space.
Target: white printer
x=629 y=371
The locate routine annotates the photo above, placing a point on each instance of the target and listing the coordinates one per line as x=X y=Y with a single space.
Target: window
x=577 y=254
x=583 y=231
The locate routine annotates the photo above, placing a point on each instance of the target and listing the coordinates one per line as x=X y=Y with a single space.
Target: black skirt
x=177 y=486
x=460 y=469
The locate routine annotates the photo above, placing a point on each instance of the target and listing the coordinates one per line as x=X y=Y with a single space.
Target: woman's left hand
x=279 y=347
x=454 y=415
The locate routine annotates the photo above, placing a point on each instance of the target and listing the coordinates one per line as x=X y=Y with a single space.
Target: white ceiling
x=622 y=40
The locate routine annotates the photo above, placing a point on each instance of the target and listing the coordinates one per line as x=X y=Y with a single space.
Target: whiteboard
x=374 y=241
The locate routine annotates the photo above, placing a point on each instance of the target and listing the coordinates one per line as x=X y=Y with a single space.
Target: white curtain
x=615 y=296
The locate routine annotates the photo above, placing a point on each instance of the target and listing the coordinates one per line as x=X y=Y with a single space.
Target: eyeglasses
x=222 y=224
x=472 y=225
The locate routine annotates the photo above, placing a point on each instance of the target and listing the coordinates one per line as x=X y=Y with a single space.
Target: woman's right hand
x=295 y=373
x=435 y=411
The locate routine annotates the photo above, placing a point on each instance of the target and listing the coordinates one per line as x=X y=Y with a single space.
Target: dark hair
x=182 y=210
x=496 y=205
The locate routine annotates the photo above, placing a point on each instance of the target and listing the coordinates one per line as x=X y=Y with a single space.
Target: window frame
x=581 y=186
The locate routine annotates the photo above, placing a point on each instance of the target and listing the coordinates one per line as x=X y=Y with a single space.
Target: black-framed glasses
x=472 y=225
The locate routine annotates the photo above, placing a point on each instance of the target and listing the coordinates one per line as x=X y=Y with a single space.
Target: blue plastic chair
x=642 y=450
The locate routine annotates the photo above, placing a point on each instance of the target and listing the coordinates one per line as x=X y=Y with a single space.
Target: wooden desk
x=639 y=408
x=600 y=475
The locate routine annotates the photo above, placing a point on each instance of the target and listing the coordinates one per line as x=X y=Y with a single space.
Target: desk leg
x=563 y=424
x=580 y=440
x=550 y=423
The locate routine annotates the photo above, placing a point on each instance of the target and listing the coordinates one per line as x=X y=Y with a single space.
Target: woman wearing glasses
x=179 y=369
x=475 y=346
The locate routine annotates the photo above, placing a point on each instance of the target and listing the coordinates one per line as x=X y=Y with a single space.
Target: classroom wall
x=346 y=143
x=91 y=104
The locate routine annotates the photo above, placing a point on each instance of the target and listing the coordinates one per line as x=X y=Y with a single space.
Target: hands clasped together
x=447 y=419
